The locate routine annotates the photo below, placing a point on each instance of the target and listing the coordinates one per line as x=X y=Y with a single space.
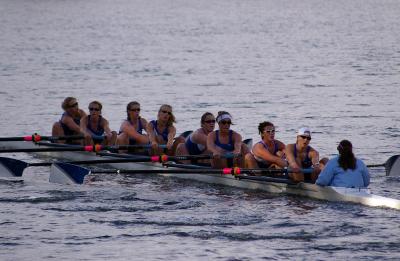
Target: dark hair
x=347 y=160
x=171 y=119
x=204 y=116
x=262 y=125
x=97 y=103
x=130 y=105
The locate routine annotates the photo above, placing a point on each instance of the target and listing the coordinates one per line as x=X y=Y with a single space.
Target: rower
x=131 y=130
x=301 y=155
x=97 y=126
x=69 y=124
x=224 y=140
x=269 y=152
x=162 y=131
x=196 y=142
x=344 y=170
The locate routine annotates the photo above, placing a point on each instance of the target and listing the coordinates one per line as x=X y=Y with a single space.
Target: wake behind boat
x=61 y=173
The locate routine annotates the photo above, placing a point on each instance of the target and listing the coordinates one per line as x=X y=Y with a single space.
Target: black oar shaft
x=88 y=162
x=375 y=165
x=37 y=138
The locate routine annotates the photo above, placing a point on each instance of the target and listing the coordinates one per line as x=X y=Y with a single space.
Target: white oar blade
x=11 y=167
x=393 y=166
x=68 y=174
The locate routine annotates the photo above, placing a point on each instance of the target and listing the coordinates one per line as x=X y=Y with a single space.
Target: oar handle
x=36 y=138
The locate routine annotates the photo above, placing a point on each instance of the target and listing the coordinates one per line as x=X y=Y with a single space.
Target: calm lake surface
x=331 y=65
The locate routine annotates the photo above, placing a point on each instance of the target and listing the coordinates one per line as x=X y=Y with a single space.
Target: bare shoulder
x=143 y=121
x=236 y=135
x=211 y=135
x=312 y=150
x=82 y=113
x=280 y=144
x=290 y=147
x=84 y=119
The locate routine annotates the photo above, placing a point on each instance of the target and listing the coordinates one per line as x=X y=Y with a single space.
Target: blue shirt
x=334 y=175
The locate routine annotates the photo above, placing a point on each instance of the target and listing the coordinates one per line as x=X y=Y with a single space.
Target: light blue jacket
x=334 y=175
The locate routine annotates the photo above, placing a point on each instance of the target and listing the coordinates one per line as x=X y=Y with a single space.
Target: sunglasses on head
x=170 y=113
x=134 y=109
x=305 y=137
x=73 y=105
x=209 y=121
x=226 y=122
x=94 y=109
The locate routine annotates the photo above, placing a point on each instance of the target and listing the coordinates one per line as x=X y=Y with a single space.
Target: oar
x=36 y=137
x=14 y=168
x=58 y=145
x=66 y=173
x=392 y=166
x=63 y=147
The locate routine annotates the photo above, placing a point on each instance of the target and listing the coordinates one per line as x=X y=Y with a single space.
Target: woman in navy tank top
x=269 y=152
x=97 y=126
x=132 y=129
x=162 y=131
x=302 y=155
x=196 y=142
x=224 y=140
x=69 y=124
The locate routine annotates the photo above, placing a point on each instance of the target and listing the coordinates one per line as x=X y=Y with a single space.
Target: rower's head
x=165 y=114
x=303 y=136
x=132 y=110
x=266 y=130
x=224 y=120
x=208 y=121
x=70 y=103
x=95 y=108
x=347 y=159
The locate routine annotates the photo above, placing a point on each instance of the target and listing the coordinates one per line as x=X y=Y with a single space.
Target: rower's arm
x=211 y=143
x=237 y=141
x=290 y=157
x=199 y=138
x=106 y=127
x=266 y=155
x=75 y=127
x=152 y=135
x=132 y=132
x=314 y=156
x=171 y=136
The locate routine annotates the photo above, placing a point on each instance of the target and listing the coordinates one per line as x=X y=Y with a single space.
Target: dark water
x=331 y=65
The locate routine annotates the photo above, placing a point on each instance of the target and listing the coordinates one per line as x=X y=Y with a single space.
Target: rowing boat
x=355 y=195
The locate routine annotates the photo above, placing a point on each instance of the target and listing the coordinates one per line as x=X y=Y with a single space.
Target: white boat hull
x=354 y=195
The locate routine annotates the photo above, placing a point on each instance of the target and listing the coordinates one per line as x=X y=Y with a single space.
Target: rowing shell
x=355 y=195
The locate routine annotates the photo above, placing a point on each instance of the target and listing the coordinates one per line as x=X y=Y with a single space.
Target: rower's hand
x=295 y=169
x=170 y=144
x=217 y=155
x=236 y=155
x=316 y=170
x=154 y=145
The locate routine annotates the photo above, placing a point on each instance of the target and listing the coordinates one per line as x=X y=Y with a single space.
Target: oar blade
x=68 y=174
x=392 y=166
x=12 y=167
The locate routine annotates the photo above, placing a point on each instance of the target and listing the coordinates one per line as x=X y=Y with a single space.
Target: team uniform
x=261 y=162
